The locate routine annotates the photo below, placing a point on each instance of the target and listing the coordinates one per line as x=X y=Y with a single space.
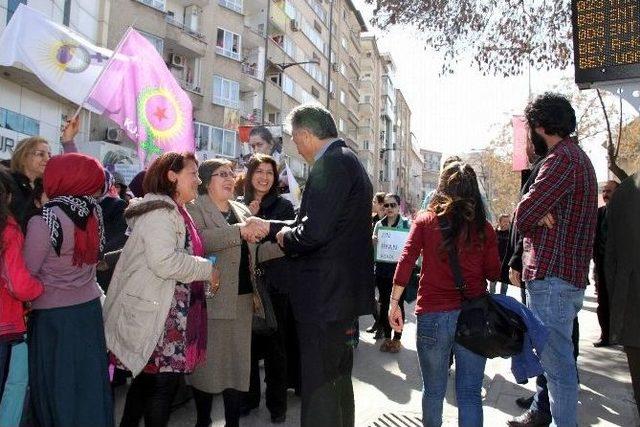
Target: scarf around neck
x=86 y=215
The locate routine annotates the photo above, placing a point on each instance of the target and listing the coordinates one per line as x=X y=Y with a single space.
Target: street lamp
x=284 y=65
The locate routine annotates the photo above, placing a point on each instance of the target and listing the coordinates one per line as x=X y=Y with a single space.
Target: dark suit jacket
x=329 y=246
x=622 y=262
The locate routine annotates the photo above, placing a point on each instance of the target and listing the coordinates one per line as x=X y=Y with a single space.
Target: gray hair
x=207 y=169
x=315 y=118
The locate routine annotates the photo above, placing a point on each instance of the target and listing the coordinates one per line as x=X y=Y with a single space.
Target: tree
x=493 y=168
x=502 y=37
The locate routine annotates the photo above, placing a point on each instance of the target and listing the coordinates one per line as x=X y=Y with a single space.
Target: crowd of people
x=189 y=276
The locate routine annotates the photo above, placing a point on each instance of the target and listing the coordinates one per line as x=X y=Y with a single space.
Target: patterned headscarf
x=71 y=181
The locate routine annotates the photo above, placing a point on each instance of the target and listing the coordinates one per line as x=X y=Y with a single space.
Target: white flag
x=64 y=61
x=294 y=189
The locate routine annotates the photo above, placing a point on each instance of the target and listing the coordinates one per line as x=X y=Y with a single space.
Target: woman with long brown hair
x=455 y=220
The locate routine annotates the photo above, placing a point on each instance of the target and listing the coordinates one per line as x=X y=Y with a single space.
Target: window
x=317 y=27
x=273 y=118
x=341 y=125
x=343 y=97
x=226 y=92
x=231 y=4
x=367 y=99
x=343 y=69
x=12 y=6
x=276 y=79
x=156 y=41
x=365 y=144
x=315 y=92
x=19 y=123
x=156 y=4
x=220 y=141
x=343 y=42
x=228 y=44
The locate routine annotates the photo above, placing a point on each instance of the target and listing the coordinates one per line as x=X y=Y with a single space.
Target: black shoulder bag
x=484 y=326
x=264 y=322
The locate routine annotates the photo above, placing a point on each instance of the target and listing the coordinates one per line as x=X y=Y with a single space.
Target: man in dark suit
x=622 y=270
x=331 y=258
x=598 y=258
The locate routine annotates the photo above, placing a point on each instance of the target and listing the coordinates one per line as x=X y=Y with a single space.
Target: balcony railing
x=171 y=21
x=251 y=69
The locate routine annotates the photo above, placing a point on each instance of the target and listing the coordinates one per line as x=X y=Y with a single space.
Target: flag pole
x=109 y=62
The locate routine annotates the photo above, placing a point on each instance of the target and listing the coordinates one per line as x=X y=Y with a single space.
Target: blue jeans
x=435 y=341
x=15 y=389
x=557 y=302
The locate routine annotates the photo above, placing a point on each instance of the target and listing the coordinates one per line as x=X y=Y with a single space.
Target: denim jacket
x=526 y=364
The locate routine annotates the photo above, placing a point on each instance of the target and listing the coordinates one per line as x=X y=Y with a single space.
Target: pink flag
x=520 y=131
x=137 y=91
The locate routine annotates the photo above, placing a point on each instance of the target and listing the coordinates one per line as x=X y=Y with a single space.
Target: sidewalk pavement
x=389 y=385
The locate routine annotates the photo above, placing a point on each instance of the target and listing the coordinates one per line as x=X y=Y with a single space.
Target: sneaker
x=530 y=419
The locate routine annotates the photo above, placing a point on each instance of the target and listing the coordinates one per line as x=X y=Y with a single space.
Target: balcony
x=235 y=5
x=278 y=19
x=185 y=37
x=274 y=95
x=251 y=106
x=253 y=62
x=365 y=109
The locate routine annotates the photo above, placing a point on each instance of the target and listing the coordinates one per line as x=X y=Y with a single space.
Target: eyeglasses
x=390 y=205
x=224 y=175
x=43 y=154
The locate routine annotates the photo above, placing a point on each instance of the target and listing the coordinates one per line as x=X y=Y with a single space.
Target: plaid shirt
x=566 y=187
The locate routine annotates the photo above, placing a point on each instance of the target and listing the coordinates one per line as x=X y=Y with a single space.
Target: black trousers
x=326 y=356
x=232 y=402
x=603 y=307
x=633 y=357
x=150 y=396
x=279 y=359
x=385 y=285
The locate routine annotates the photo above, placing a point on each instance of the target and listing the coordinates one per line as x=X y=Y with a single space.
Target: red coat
x=16 y=283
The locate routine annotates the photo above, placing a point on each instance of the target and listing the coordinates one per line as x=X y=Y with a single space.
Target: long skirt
x=68 y=372
x=228 y=363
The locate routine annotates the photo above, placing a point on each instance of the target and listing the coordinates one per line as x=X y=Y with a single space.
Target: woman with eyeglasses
x=385 y=270
x=221 y=224
x=281 y=360
x=27 y=166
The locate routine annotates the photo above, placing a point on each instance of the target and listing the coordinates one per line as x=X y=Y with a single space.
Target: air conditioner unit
x=192 y=18
x=295 y=25
x=114 y=135
x=177 y=61
x=335 y=67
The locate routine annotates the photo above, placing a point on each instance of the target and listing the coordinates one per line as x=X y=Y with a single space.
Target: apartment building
x=414 y=193
x=27 y=106
x=403 y=144
x=369 y=108
x=388 y=155
x=430 y=170
x=346 y=26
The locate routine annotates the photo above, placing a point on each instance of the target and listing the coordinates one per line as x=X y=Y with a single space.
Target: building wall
x=370 y=101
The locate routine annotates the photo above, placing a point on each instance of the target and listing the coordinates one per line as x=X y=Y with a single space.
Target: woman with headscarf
x=68 y=374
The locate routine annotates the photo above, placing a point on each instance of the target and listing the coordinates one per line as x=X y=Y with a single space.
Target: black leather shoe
x=530 y=419
x=278 y=419
x=379 y=334
x=601 y=343
x=373 y=328
x=525 y=402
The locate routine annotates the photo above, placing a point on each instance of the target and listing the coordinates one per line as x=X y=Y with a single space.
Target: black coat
x=513 y=255
x=329 y=246
x=622 y=262
x=21 y=205
x=277 y=276
x=115 y=227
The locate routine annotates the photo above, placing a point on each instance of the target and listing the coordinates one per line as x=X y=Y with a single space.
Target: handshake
x=254 y=229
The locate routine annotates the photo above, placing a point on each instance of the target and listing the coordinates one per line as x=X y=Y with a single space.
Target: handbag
x=484 y=326
x=264 y=319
